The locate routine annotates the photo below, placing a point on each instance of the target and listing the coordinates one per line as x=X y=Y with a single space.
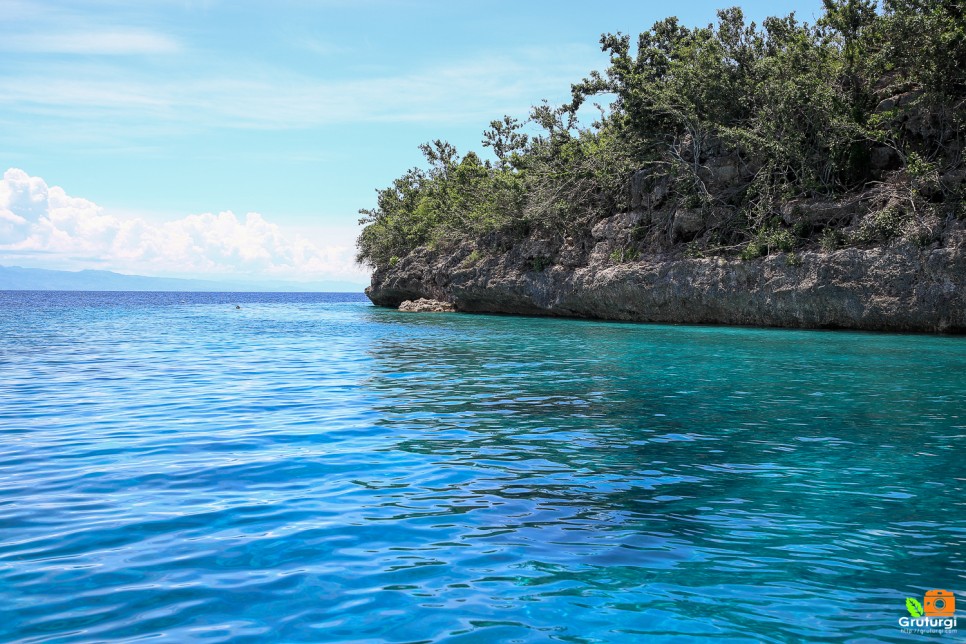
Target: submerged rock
x=423 y=305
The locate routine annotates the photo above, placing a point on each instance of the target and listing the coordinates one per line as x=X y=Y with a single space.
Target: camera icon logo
x=939 y=603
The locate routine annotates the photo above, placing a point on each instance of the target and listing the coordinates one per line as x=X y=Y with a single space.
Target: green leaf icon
x=914 y=607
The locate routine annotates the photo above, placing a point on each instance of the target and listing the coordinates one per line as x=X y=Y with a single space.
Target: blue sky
x=143 y=134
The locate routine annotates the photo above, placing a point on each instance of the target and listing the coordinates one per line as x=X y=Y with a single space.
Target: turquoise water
x=311 y=468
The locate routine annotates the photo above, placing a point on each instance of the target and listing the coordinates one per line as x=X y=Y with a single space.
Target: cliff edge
x=772 y=174
x=889 y=288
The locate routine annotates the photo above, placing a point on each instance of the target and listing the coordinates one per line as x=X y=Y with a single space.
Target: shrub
x=474 y=257
x=693 y=250
x=768 y=241
x=831 y=239
x=794 y=103
x=539 y=263
x=624 y=254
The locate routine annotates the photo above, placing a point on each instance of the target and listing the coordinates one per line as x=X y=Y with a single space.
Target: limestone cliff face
x=891 y=288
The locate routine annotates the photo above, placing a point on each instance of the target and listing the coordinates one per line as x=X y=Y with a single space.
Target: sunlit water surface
x=311 y=468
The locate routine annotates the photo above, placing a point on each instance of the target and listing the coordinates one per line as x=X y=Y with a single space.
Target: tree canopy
x=870 y=100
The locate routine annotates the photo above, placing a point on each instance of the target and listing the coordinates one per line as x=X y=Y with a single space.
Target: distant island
x=781 y=174
x=15 y=278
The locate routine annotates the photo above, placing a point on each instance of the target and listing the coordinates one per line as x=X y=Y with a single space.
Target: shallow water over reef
x=311 y=468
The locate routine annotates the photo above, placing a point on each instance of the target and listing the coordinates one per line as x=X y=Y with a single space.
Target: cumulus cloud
x=42 y=220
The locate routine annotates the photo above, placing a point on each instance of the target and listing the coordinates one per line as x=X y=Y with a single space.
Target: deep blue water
x=311 y=468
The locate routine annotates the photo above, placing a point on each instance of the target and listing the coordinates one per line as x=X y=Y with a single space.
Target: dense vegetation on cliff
x=745 y=140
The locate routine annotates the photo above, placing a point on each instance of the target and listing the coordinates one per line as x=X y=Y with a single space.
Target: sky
x=238 y=139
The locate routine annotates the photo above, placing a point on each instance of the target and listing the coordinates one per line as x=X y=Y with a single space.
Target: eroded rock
x=892 y=288
x=425 y=305
x=687 y=223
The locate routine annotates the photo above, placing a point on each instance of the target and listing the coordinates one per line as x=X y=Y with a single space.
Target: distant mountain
x=15 y=278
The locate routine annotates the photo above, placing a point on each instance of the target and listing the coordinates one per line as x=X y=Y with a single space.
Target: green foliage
x=924 y=43
x=624 y=254
x=506 y=140
x=782 y=240
x=639 y=232
x=539 y=263
x=888 y=223
x=798 y=107
x=753 y=250
x=832 y=239
x=768 y=241
x=457 y=197
x=473 y=258
x=693 y=250
x=884 y=225
x=923 y=176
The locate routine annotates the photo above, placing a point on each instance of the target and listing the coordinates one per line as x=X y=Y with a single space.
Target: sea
x=306 y=467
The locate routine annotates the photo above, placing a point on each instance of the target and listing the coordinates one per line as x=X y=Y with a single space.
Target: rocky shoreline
x=899 y=288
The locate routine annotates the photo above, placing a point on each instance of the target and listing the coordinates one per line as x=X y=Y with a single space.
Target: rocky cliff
x=709 y=192
x=897 y=287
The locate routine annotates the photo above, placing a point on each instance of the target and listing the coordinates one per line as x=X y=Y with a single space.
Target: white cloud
x=472 y=90
x=44 y=221
x=117 y=42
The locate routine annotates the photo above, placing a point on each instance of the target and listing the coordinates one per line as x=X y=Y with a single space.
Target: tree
x=505 y=139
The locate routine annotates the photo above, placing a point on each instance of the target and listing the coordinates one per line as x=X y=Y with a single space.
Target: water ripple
x=309 y=468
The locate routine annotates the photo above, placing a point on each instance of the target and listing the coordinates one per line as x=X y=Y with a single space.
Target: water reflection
x=619 y=460
x=313 y=470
